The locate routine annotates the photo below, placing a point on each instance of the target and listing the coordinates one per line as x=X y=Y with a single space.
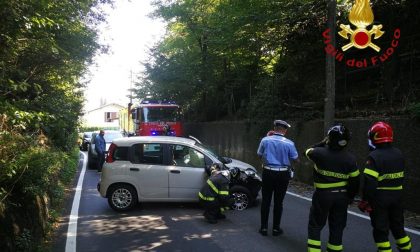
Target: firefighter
x=214 y=195
x=167 y=131
x=382 y=189
x=336 y=181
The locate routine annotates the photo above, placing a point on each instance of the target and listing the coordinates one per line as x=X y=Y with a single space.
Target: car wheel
x=122 y=197
x=241 y=197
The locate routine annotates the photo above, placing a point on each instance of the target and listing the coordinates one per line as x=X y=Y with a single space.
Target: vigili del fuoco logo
x=362 y=37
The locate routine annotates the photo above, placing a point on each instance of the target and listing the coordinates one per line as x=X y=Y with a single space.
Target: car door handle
x=134 y=169
x=175 y=171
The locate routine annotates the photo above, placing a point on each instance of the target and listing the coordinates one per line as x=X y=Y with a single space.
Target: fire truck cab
x=157 y=118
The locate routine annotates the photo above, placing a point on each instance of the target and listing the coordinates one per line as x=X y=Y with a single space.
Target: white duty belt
x=282 y=168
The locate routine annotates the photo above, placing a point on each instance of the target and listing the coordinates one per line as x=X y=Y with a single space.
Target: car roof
x=127 y=141
x=107 y=131
x=112 y=131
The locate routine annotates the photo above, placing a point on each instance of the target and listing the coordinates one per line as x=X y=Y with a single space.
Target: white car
x=167 y=169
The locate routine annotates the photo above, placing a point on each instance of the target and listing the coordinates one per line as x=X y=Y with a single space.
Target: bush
x=33 y=178
x=414 y=110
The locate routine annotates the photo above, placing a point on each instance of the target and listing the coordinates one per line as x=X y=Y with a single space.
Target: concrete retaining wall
x=240 y=140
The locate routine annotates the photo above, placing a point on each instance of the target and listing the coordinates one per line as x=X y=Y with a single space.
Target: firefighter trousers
x=331 y=206
x=388 y=214
x=214 y=209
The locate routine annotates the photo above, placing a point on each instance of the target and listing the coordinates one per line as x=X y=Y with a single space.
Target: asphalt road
x=181 y=227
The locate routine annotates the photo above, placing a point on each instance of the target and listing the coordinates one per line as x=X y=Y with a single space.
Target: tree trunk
x=329 y=110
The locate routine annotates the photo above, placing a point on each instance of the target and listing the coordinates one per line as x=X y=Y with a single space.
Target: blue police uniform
x=276 y=152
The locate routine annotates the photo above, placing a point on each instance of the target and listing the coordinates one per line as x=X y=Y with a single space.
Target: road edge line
x=72 y=225
x=352 y=213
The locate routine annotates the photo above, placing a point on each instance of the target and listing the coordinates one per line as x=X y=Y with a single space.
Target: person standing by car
x=276 y=151
x=383 y=189
x=100 y=148
x=336 y=180
x=214 y=195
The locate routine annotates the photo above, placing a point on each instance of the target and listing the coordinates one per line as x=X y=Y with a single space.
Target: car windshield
x=157 y=114
x=210 y=151
x=109 y=136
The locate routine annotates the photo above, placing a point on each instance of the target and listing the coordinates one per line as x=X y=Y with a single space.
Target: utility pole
x=329 y=109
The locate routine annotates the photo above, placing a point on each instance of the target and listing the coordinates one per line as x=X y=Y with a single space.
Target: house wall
x=96 y=117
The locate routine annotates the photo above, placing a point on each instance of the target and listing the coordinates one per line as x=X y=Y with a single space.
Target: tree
x=329 y=110
x=260 y=60
x=45 y=48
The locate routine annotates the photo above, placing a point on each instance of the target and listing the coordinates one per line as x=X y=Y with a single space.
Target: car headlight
x=252 y=173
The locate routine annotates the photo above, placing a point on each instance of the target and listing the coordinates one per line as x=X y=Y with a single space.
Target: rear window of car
x=148 y=153
x=87 y=134
x=121 y=154
x=109 y=136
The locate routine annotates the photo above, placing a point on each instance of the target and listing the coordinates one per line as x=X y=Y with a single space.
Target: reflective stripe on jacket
x=384 y=170
x=216 y=188
x=334 y=169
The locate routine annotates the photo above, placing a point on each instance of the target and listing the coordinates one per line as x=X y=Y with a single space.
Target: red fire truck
x=156 y=118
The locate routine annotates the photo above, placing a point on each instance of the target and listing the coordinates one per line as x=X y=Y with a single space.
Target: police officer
x=383 y=189
x=336 y=180
x=214 y=195
x=276 y=152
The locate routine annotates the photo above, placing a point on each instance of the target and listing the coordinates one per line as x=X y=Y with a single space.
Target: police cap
x=282 y=124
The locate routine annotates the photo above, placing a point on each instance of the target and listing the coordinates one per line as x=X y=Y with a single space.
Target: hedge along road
x=93 y=226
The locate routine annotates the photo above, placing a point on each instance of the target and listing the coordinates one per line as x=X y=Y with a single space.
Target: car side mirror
x=226 y=160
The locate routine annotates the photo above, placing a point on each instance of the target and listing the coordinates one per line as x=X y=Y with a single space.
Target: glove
x=323 y=143
x=364 y=206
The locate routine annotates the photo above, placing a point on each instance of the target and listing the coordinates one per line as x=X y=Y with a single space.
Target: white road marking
x=72 y=228
x=352 y=213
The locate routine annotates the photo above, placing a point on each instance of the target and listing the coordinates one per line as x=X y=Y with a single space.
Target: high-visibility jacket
x=216 y=188
x=384 y=170
x=336 y=179
x=334 y=169
x=383 y=189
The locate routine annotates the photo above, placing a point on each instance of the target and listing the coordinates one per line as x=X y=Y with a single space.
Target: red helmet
x=381 y=132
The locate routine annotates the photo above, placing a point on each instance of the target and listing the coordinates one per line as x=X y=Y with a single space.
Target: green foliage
x=24 y=241
x=414 y=110
x=30 y=168
x=45 y=48
x=258 y=58
x=87 y=129
x=218 y=54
